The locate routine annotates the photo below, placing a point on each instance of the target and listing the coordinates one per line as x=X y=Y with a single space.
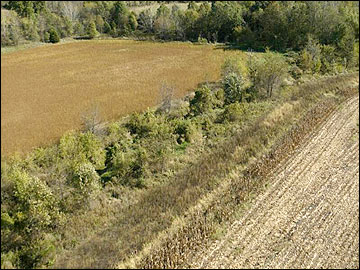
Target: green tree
x=146 y=21
x=23 y=8
x=76 y=149
x=192 y=5
x=233 y=88
x=223 y=18
x=31 y=212
x=99 y=21
x=163 y=22
x=107 y=27
x=119 y=15
x=190 y=23
x=47 y=37
x=267 y=73
x=202 y=102
x=53 y=36
x=68 y=29
x=133 y=21
x=274 y=27
x=162 y=10
x=26 y=8
x=92 y=32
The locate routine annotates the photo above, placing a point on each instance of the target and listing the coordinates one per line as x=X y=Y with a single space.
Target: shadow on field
x=82 y=38
x=240 y=47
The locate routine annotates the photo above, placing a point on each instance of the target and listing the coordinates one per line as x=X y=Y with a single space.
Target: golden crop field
x=46 y=90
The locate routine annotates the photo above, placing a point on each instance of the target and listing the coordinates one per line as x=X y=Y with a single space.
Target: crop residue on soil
x=309 y=216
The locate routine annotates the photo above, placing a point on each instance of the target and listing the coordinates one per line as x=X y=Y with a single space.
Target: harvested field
x=46 y=90
x=309 y=216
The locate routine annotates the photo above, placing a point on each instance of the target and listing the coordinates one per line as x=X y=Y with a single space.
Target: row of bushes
x=270 y=144
x=39 y=192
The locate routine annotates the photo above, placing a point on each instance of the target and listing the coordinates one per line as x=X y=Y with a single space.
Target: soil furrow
x=309 y=215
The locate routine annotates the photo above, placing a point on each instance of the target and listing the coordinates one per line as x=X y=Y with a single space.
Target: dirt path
x=309 y=216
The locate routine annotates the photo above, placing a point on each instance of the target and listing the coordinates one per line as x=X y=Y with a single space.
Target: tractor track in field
x=309 y=216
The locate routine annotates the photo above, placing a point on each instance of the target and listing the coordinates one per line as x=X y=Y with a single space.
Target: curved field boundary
x=46 y=91
x=309 y=218
x=175 y=246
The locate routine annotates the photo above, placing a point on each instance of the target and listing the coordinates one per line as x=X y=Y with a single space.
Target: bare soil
x=309 y=215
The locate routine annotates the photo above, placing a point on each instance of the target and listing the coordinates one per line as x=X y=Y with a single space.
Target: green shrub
x=313 y=55
x=44 y=157
x=184 y=130
x=91 y=31
x=142 y=125
x=132 y=21
x=53 y=36
x=328 y=58
x=29 y=210
x=268 y=72
x=29 y=29
x=121 y=160
x=86 y=178
x=305 y=61
x=116 y=132
x=80 y=148
x=233 y=88
x=234 y=64
x=219 y=98
x=36 y=207
x=355 y=60
x=79 y=29
x=206 y=122
x=316 y=66
x=127 y=159
x=9 y=260
x=47 y=37
x=234 y=112
x=202 y=40
x=107 y=27
x=128 y=166
x=295 y=72
x=40 y=253
x=203 y=101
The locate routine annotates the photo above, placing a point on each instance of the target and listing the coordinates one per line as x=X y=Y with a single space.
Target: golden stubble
x=46 y=90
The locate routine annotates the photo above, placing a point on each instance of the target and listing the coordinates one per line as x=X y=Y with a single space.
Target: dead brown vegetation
x=175 y=245
x=159 y=230
x=46 y=90
x=308 y=217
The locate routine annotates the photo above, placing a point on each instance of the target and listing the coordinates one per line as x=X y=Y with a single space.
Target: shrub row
x=188 y=231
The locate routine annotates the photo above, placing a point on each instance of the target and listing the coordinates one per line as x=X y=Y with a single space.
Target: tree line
x=278 y=25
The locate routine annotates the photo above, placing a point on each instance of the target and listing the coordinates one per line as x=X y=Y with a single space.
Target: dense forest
x=279 y=25
x=42 y=192
x=317 y=34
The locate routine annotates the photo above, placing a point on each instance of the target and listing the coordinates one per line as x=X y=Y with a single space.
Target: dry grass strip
x=174 y=245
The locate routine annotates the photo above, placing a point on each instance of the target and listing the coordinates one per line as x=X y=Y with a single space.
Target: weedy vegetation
x=132 y=182
x=132 y=153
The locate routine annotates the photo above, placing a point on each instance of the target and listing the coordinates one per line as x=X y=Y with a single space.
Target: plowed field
x=45 y=91
x=309 y=216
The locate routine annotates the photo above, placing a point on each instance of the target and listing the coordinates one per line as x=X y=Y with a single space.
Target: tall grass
x=270 y=145
x=159 y=229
